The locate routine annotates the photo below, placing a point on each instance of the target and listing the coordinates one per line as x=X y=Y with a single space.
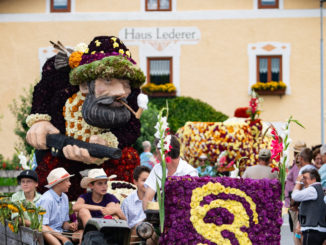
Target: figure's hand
x=36 y=135
x=76 y=153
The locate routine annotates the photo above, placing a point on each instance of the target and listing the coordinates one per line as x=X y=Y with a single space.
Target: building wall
x=217 y=65
x=25 y=6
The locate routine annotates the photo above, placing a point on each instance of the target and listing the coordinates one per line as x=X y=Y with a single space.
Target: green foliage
x=21 y=109
x=8 y=182
x=148 y=120
x=185 y=109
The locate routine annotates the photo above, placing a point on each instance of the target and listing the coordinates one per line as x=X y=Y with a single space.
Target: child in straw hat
x=97 y=203
x=56 y=204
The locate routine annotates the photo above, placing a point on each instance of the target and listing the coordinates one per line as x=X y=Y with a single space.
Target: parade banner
x=222 y=210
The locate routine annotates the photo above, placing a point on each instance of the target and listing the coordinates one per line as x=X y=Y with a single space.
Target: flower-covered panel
x=222 y=210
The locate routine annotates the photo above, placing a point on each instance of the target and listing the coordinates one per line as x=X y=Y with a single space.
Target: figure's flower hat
x=105 y=57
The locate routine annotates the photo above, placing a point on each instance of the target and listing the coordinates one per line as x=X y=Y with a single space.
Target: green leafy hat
x=106 y=57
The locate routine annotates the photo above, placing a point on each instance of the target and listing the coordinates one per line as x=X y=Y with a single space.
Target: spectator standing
x=146 y=157
x=316 y=156
x=312 y=210
x=204 y=169
x=289 y=185
x=261 y=170
x=305 y=158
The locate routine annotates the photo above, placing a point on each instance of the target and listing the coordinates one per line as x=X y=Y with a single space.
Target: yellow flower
x=97 y=43
x=116 y=45
x=121 y=51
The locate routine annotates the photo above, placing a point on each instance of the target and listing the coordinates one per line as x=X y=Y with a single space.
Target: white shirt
x=308 y=166
x=133 y=209
x=183 y=169
x=309 y=193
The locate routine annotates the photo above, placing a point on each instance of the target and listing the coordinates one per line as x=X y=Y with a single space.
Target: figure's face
x=102 y=107
x=28 y=185
x=100 y=186
x=307 y=180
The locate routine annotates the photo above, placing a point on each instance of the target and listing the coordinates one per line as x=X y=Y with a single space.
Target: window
x=159 y=70
x=269 y=68
x=267 y=4
x=158 y=5
x=60 y=6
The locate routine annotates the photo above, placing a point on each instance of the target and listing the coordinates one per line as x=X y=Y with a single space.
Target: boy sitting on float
x=97 y=203
x=28 y=181
x=56 y=204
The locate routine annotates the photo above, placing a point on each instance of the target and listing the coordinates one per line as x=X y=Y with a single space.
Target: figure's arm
x=80 y=203
x=149 y=195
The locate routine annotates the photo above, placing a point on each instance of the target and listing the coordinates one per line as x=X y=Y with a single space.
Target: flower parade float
x=239 y=138
x=90 y=94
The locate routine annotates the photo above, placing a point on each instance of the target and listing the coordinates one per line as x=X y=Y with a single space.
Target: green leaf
x=297 y=122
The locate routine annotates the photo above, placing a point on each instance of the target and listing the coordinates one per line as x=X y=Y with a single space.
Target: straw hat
x=299 y=145
x=56 y=176
x=93 y=175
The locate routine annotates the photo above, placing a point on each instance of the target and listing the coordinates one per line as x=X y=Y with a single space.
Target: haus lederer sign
x=160 y=34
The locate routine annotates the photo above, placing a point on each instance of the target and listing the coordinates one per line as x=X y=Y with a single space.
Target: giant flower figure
x=163 y=145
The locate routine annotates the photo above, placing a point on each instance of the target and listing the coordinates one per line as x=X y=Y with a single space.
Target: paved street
x=286 y=235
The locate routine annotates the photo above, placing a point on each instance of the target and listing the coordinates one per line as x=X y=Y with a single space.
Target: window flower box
x=279 y=92
x=269 y=88
x=161 y=94
x=161 y=90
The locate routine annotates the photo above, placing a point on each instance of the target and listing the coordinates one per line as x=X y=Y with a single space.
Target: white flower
x=23 y=161
x=157 y=135
x=142 y=101
x=81 y=47
x=235 y=173
x=167 y=142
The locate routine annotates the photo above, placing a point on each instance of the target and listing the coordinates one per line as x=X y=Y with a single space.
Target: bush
x=184 y=109
x=21 y=110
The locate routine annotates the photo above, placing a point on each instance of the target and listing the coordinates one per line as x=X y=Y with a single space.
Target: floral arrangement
x=270 y=86
x=280 y=145
x=154 y=88
x=222 y=210
x=238 y=139
x=8 y=208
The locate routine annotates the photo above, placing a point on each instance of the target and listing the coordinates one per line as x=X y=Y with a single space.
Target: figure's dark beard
x=100 y=113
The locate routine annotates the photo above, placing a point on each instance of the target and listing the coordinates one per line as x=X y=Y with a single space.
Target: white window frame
x=269 y=49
